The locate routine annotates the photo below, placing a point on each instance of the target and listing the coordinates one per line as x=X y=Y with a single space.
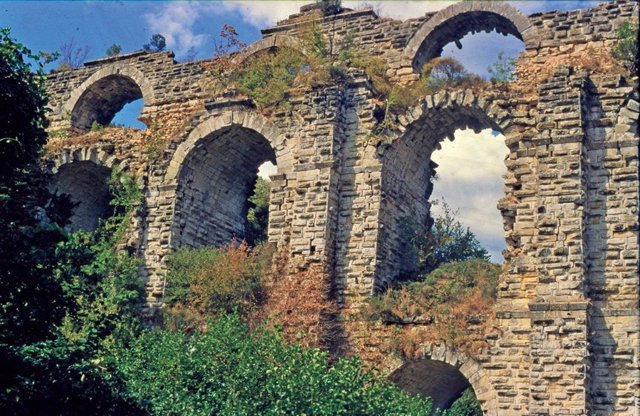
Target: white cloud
x=175 y=22
x=262 y=14
x=400 y=9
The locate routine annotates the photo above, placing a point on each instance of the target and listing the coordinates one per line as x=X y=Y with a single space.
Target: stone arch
x=214 y=171
x=407 y=169
x=443 y=373
x=452 y=23
x=84 y=174
x=269 y=43
x=104 y=93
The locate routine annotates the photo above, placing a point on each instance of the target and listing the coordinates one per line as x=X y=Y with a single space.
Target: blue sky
x=46 y=25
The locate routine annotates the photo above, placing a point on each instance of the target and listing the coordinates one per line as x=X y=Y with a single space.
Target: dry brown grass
x=454 y=306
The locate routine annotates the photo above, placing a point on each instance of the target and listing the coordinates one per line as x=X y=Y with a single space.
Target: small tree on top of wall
x=626 y=49
x=156 y=44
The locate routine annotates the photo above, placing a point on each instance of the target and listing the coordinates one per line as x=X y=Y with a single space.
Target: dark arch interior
x=87 y=185
x=455 y=28
x=102 y=100
x=407 y=181
x=214 y=185
x=429 y=378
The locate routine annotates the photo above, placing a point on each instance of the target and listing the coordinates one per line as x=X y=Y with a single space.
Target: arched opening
x=215 y=183
x=452 y=25
x=440 y=381
x=409 y=178
x=470 y=172
x=128 y=115
x=480 y=53
x=87 y=185
x=102 y=100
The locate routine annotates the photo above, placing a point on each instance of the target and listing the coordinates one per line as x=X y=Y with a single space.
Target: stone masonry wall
x=567 y=327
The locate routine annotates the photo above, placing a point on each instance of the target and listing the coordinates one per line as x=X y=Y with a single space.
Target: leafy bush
x=267 y=77
x=466 y=405
x=209 y=281
x=69 y=371
x=258 y=215
x=626 y=49
x=22 y=126
x=227 y=370
x=436 y=75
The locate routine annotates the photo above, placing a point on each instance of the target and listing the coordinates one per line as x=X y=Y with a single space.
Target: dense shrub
x=99 y=293
x=267 y=77
x=227 y=370
x=466 y=405
x=205 y=282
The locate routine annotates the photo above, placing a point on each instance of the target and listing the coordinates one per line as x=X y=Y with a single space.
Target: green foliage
x=157 y=43
x=448 y=240
x=82 y=297
x=503 y=70
x=30 y=299
x=626 y=49
x=95 y=126
x=258 y=214
x=226 y=370
x=466 y=405
x=451 y=281
x=23 y=102
x=212 y=280
x=436 y=75
x=114 y=49
x=267 y=77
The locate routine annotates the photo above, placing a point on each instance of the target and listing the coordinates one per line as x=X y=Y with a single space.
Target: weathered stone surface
x=567 y=336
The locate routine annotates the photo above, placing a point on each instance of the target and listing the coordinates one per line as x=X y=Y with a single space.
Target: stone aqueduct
x=567 y=309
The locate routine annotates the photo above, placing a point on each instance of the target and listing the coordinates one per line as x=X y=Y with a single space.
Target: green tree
x=626 y=49
x=447 y=240
x=258 y=214
x=114 y=49
x=503 y=70
x=95 y=294
x=157 y=43
x=29 y=296
x=447 y=72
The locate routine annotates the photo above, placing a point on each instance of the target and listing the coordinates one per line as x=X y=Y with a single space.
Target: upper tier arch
x=105 y=92
x=454 y=22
